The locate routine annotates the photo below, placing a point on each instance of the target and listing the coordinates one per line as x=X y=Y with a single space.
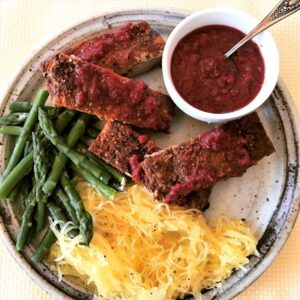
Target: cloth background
x=25 y=24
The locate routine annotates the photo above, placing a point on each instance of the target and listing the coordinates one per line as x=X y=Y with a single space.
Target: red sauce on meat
x=136 y=169
x=113 y=93
x=96 y=49
x=209 y=81
x=231 y=159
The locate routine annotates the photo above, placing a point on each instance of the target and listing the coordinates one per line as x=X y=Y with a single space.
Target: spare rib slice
x=79 y=85
x=123 y=148
x=217 y=154
x=128 y=50
x=117 y=144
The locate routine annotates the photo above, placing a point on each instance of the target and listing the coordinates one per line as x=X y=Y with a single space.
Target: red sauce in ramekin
x=209 y=81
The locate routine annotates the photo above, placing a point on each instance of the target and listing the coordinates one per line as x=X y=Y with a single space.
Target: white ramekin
x=240 y=21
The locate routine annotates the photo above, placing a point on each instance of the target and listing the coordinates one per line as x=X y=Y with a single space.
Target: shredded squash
x=143 y=249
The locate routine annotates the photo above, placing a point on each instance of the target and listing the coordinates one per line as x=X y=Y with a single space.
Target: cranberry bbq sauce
x=208 y=80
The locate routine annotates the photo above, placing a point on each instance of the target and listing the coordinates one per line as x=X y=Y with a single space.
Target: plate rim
x=33 y=274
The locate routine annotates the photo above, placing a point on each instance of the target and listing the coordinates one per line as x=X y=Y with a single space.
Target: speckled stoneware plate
x=266 y=196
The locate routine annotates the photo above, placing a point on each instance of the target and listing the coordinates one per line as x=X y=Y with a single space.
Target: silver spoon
x=282 y=10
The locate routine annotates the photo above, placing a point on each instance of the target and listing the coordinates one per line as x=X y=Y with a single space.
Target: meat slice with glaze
x=118 y=145
x=222 y=152
x=127 y=50
x=86 y=87
x=123 y=148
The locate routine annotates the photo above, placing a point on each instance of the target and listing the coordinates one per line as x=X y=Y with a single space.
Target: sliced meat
x=79 y=85
x=128 y=50
x=117 y=144
x=123 y=148
x=222 y=152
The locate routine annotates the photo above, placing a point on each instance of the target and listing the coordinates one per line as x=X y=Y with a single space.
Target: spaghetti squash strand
x=145 y=250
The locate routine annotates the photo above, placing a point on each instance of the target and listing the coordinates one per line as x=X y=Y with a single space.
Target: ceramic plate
x=266 y=196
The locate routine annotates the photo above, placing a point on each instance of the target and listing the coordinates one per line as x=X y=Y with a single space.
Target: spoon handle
x=282 y=10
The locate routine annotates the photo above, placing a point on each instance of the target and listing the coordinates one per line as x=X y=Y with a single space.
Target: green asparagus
x=61 y=159
x=52 y=111
x=13 y=119
x=57 y=214
x=26 y=188
x=27 y=148
x=40 y=168
x=26 y=223
x=23 y=168
x=44 y=247
x=23 y=106
x=13 y=196
x=85 y=219
x=102 y=188
x=9 y=123
x=49 y=238
x=117 y=175
x=73 y=155
x=64 y=199
x=26 y=132
x=65 y=117
x=20 y=106
x=11 y=130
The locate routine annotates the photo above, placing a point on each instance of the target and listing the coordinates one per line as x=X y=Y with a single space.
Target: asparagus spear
x=13 y=119
x=52 y=111
x=9 y=123
x=27 y=148
x=73 y=155
x=102 y=188
x=65 y=117
x=24 y=106
x=11 y=130
x=64 y=199
x=26 y=222
x=61 y=159
x=16 y=130
x=85 y=219
x=121 y=178
x=26 y=131
x=20 y=106
x=57 y=214
x=23 y=168
x=40 y=170
x=49 y=239
x=44 y=247
x=26 y=188
x=13 y=196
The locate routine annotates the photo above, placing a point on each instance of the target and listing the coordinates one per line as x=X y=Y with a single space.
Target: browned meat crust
x=127 y=50
x=76 y=84
x=222 y=152
x=123 y=148
x=117 y=144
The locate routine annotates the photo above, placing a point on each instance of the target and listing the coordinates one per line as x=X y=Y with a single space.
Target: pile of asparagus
x=52 y=144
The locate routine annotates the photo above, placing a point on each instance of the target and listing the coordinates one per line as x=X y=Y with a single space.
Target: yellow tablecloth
x=24 y=24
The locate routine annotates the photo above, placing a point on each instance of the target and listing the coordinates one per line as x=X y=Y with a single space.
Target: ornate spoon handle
x=282 y=10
